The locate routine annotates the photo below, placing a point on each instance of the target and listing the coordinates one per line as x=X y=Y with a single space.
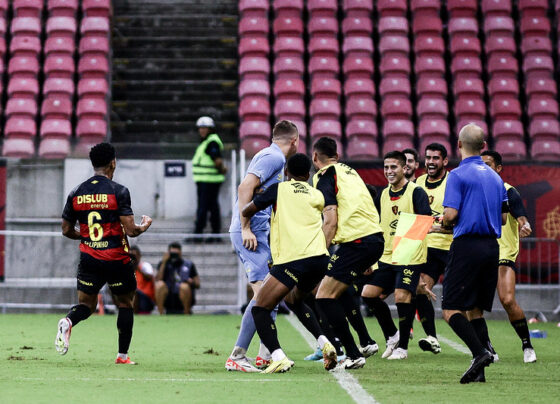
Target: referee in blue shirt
x=475 y=207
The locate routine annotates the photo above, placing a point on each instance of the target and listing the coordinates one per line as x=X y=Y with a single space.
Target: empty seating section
x=494 y=66
x=41 y=88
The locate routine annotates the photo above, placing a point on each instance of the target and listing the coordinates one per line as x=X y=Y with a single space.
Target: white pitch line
x=455 y=345
x=348 y=382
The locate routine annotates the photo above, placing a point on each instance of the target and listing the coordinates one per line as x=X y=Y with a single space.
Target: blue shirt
x=268 y=166
x=478 y=193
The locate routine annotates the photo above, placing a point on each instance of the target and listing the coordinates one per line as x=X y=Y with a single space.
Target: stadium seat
x=30 y=26
x=329 y=128
x=325 y=88
x=252 y=145
x=392 y=8
x=541 y=87
x=18 y=148
x=502 y=65
x=289 y=88
x=323 y=47
x=431 y=87
x=62 y=8
x=423 y=8
x=324 y=109
x=57 y=107
x=474 y=108
x=511 y=149
x=255 y=129
x=92 y=87
x=91 y=108
x=358 y=8
x=425 y=141
x=293 y=110
x=287 y=26
x=500 y=46
x=64 y=27
x=398 y=129
x=544 y=129
x=27 y=46
x=546 y=150
x=60 y=128
x=21 y=108
x=94 y=26
x=432 y=108
x=23 y=88
x=536 y=46
x=428 y=45
x=363 y=88
x=543 y=108
x=54 y=148
x=20 y=127
x=254 y=68
x=288 y=68
x=322 y=27
x=427 y=26
x=302 y=129
x=463 y=27
x=396 y=108
x=322 y=7
x=358 y=67
x=503 y=87
x=362 y=148
x=393 y=26
x=499 y=27
x=248 y=47
x=59 y=46
x=390 y=46
x=361 y=109
x=288 y=47
x=63 y=66
x=323 y=67
x=28 y=8
x=495 y=8
x=397 y=87
x=506 y=129
x=357 y=46
x=533 y=7
x=3 y=8
x=361 y=128
x=357 y=27
x=92 y=128
x=433 y=128
x=538 y=67
x=466 y=67
x=254 y=8
x=396 y=143
x=468 y=88
x=23 y=67
x=252 y=27
x=535 y=26
x=505 y=109
x=288 y=8
x=97 y=8
x=254 y=88
x=465 y=46
x=395 y=66
x=94 y=46
x=462 y=8
x=65 y=87
x=254 y=109
x=428 y=66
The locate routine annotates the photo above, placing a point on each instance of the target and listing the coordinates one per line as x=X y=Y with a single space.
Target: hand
x=146 y=222
x=435 y=229
x=525 y=230
x=249 y=239
x=423 y=287
x=165 y=258
x=438 y=219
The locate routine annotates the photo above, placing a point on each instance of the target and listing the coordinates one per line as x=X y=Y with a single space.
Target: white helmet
x=205 y=122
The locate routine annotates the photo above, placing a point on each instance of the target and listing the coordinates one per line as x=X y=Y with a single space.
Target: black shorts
x=508 y=263
x=437 y=261
x=93 y=274
x=305 y=273
x=173 y=304
x=145 y=304
x=472 y=274
x=391 y=277
x=353 y=258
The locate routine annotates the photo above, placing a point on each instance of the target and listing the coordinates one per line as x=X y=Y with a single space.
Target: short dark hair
x=299 y=165
x=326 y=146
x=284 y=129
x=437 y=147
x=135 y=248
x=397 y=155
x=175 y=244
x=372 y=191
x=102 y=154
x=497 y=157
x=413 y=152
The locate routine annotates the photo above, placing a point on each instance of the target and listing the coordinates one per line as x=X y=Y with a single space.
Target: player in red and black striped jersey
x=102 y=209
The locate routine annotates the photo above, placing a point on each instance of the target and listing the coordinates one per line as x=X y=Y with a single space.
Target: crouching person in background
x=144 y=300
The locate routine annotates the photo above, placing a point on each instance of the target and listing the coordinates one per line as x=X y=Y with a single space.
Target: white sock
x=122 y=356
x=278 y=355
x=322 y=340
x=264 y=352
x=238 y=353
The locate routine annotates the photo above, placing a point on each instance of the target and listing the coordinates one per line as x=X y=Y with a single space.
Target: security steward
x=209 y=174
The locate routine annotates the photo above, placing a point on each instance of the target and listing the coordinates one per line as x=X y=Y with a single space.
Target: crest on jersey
x=431 y=199
x=395 y=210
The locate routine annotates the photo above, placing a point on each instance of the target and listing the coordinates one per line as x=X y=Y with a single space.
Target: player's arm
x=161 y=267
x=132 y=229
x=328 y=187
x=194 y=280
x=69 y=230
x=245 y=193
x=69 y=219
x=451 y=201
x=330 y=223
x=517 y=210
x=450 y=216
x=261 y=201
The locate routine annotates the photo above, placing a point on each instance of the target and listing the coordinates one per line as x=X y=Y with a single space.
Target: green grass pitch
x=181 y=359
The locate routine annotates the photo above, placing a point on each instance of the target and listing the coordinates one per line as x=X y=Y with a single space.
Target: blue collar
x=471 y=160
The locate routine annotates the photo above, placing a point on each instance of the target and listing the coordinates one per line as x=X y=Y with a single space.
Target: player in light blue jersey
x=250 y=237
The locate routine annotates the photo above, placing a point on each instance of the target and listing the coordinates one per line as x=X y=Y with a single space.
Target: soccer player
x=102 y=209
x=401 y=195
x=412 y=164
x=516 y=225
x=299 y=255
x=433 y=182
x=352 y=222
x=250 y=236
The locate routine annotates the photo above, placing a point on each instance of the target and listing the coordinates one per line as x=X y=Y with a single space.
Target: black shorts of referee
x=471 y=276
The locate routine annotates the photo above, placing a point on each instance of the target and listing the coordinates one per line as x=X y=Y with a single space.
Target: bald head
x=471 y=137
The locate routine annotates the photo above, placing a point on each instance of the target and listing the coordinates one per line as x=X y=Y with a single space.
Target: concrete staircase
x=173 y=61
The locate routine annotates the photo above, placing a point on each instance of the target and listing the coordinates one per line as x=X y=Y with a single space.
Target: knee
x=508 y=301
x=184 y=287
x=403 y=296
x=160 y=286
x=446 y=314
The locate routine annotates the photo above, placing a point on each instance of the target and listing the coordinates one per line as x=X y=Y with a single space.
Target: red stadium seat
x=536 y=46
x=62 y=8
x=325 y=67
x=97 y=8
x=325 y=88
x=546 y=150
x=248 y=47
x=466 y=67
x=30 y=26
x=425 y=8
x=511 y=149
x=358 y=8
x=535 y=26
x=390 y=46
x=538 y=67
x=428 y=66
x=28 y=46
x=492 y=8
x=92 y=128
x=3 y=7
x=255 y=68
x=358 y=67
x=431 y=87
x=322 y=7
x=465 y=46
x=289 y=68
x=323 y=47
x=322 y=27
x=396 y=108
x=361 y=109
x=287 y=26
x=432 y=108
x=23 y=67
x=255 y=129
x=23 y=88
x=18 y=147
x=289 y=47
x=361 y=128
x=289 y=88
x=252 y=145
x=433 y=128
x=54 y=148
x=320 y=128
x=362 y=88
x=59 y=46
x=3 y=28
x=94 y=45
x=428 y=45
x=507 y=109
x=21 y=107
x=61 y=27
x=2 y=45
x=428 y=25
x=392 y=8
x=500 y=46
x=28 y=8
x=543 y=108
x=65 y=87
x=398 y=87
x=92 y=87
x=255 y=8
x=533 y=7
x=503 y=87
x=252 y=27
x=396 y=143
x=425 y=141
x=398 y=129
x=288 y=8
x=544 y=129
x=324 y=109
x=462 y=8
x=541 y=87
x=57 y=107
x=254 y=109
x=254 y=88
x=358 y=46
x=60 y=128
x=356 y=26
x=20 y=127
x=62 y=66
x=94 y=26
x=468 y=88
x=463 y=27
x=302 y=129
x=397 y=26
x=505 y=129
x=362 y=148
x=395 y=66
x=473 y=109
x=293 y=110
x=499 y=26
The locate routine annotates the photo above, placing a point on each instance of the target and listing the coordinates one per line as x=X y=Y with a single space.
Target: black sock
x=383 y=313
x=521 y=328
x=335 y=315
x=125 y=321
x=354 y=316
x=427 y=314
x=327 y=329
x=406 y=317
x=464 y=329
x=78 y=313
x=481 y=329
x=265 y=328
x=306 y=317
